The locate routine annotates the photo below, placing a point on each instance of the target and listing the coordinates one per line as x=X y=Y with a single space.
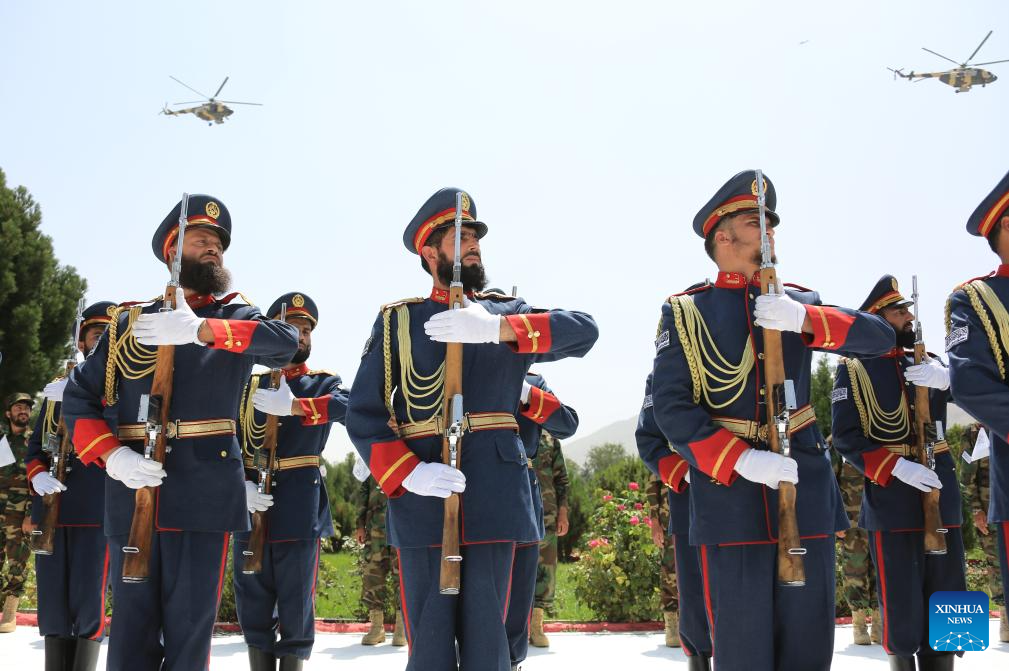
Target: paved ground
x=642 y=652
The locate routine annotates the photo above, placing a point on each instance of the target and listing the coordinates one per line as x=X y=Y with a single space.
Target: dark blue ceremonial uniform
x=543 y=411
x=672 y=469
x=281 y=598
x=167 y=621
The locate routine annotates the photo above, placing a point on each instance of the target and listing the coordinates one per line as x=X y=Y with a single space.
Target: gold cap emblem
x=298 y=301
x=893 y=281
x=754 y=190
x=465 y=201
x=213 y=210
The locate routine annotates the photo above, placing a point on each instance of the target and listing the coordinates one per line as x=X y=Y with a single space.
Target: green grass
x=339 y=587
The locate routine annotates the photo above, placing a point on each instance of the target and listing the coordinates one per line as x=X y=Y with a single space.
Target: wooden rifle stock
x=136 y=563
x=935 y=533
x=790 y=565
x=451 y=557
x=42 y=538
x=253 y=554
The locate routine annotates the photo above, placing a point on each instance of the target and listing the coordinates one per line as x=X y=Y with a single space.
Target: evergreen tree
x=820 y=387
x=38 y=296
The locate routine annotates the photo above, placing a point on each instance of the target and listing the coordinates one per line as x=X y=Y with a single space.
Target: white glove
x=768 y=468
x=916 y=475
x=254 y=501
x=469 y=324
x=779 y=312
x=181 y=326
x=929 y=373
x=434 y=479
x=43 y=484
x=54 y=390
x=274 y=401
x=131 y=469
x=526 y=390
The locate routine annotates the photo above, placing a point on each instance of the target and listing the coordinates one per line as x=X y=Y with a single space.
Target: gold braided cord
x=979 y=291
x=877 y=424
x=710 y=372
x=50 y=424
x=413 y=385
x=253 y=433
x=387 y=357
x=127 y=357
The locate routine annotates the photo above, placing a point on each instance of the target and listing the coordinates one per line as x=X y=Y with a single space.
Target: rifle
x=153 y=412
x=262 y=460
x=779 y=395
x=452 y=415
x=924 y=430
x=59 y=448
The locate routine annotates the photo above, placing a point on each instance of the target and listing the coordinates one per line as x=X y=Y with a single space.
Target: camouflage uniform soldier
x=378 y=558
x=658 y=513
x=859 y=574
x=975 y=479
x=14 y=501
x=552 y=474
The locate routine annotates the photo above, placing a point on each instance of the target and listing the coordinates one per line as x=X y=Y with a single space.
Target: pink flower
x=635 y=521
x=607 y=497
x=638 y=506
x=648 y=521
x=594 y=543
x=604 y=541
x=633 y=486
x=621 y=506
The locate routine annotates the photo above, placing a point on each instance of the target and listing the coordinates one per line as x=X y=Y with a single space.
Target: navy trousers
x=757 y=624
x=1002 y=529
x=72 y=582
x=694 y=636
x=905 y=579
x=520 y=605
x=475 y=618
x=280 y=599
x=166 y=623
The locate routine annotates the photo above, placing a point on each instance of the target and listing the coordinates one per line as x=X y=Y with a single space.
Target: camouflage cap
x=18 y=397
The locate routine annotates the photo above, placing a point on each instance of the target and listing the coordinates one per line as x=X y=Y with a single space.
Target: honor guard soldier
x=873 y=412
x=395 y=421
x=709 y=401
x=280 y=598
x=691 y=627
x=72 y=578
x=541 y=416
x=166 y=620
x=977 y=342
x=14 y=502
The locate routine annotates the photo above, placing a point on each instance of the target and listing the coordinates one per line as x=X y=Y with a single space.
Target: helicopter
x=962 y=78
x=212 y=111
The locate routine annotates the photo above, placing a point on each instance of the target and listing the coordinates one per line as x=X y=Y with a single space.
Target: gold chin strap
x=253 y=433
x=877 y=424
x=710 y=372
x=413 y=385
x=127 y=357
x=979 y=292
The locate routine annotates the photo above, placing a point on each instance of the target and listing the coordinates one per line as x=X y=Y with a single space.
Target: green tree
x=820 y=387
x=580 y=506
x=342 y=486
x=603 y=456
x=38 y=296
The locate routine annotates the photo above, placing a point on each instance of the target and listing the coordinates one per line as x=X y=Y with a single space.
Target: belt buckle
x=172 y=429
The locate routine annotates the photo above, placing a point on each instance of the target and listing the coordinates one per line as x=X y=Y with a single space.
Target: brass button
x=761 y=356
x=761 y=392
x=223 y=454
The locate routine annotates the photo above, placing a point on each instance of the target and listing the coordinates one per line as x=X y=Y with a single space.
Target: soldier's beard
x=301 y=356
x=473 y=276
x=204 y=278
x=905 y=338
x=20 y=421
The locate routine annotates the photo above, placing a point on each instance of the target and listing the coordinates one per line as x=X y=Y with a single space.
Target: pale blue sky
x=588 y=133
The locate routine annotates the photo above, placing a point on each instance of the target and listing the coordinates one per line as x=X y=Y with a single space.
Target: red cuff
x=672 y=470
x=532 y=331
x=92 y=439
x=390 y=463
x=316 y=410
x=34 y=467
x=879 y=465
x=830 y=327
x=541 y=405
x=234 y=335
x=717 y=455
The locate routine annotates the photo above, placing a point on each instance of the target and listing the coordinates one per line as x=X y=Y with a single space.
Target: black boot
x=85 y=655
x=290 y=663
x=898 y=663
x=58 y=653
x=936 y=662
x=261 y=661
x=699 y=662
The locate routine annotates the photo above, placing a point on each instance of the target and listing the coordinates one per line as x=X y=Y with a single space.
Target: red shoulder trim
x=694 y=290
x=793 y=285
x=981 y=277
x=224 y=300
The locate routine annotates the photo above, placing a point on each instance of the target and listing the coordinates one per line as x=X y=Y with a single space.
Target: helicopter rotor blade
x=189 y=87
x=235 y=102
x=191 y=102
x=221 y=87
x=941 y=56
x=979 y=46
x=991 y=62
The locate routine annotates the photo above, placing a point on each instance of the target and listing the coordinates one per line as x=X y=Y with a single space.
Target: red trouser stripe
x=508 y=594
x=402 y=605
x=105 y=582
x=881 y=570
x=679 y=592
x=707 y=596
x=220 y=583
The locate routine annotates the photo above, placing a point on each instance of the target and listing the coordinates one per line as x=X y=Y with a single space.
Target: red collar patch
x=735 y=280
x=441 y=295
x=297 y=371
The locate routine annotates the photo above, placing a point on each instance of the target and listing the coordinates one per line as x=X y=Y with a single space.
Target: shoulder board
x=323 y=371
x=695 y=288
x=224 y=300
x=792 y=285
x=493 y=295
x=973 y=279
x=403 y=301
